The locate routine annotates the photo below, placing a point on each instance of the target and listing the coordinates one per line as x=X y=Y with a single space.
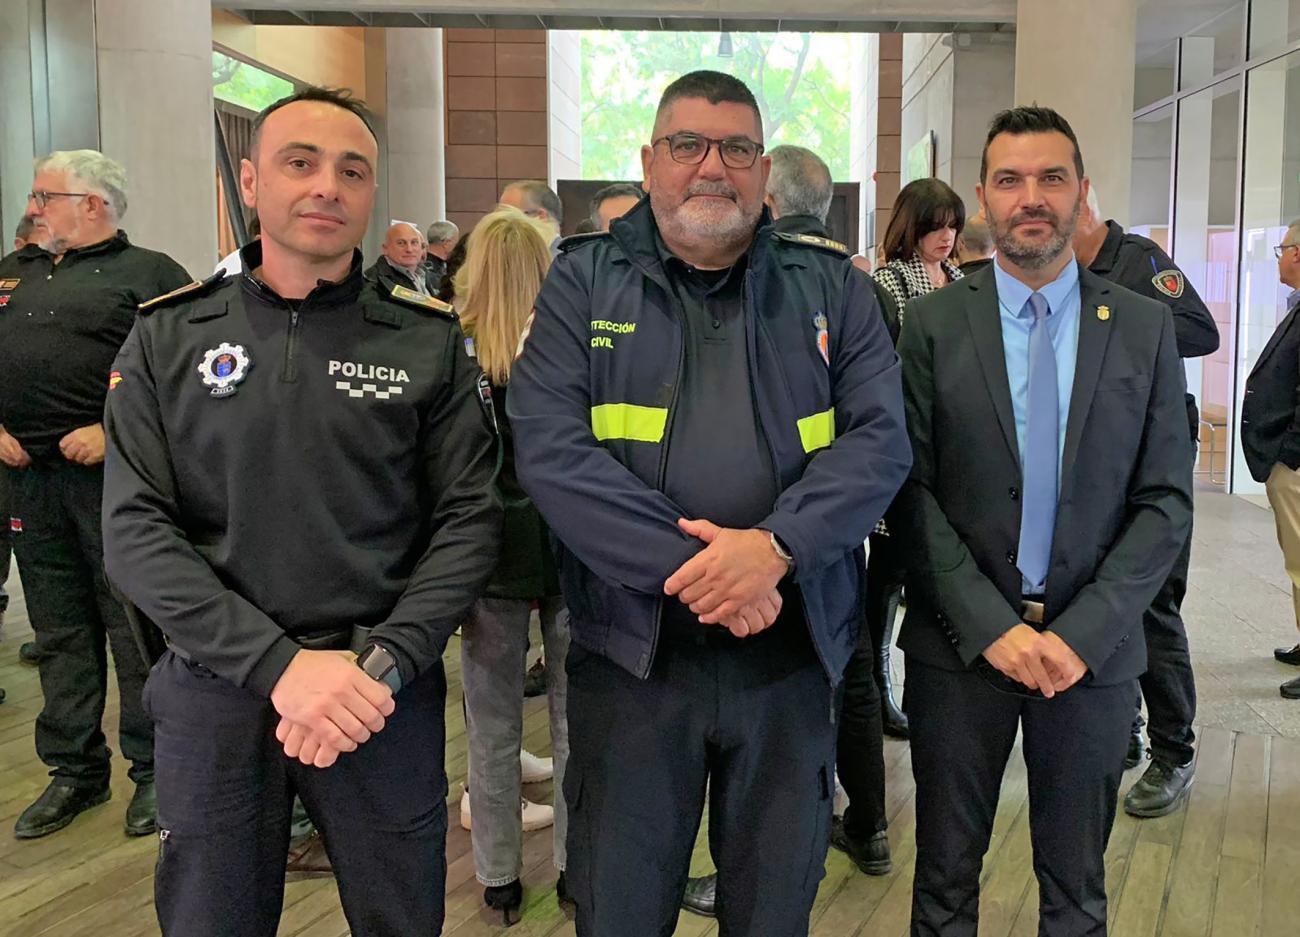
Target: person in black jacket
x=1270 y=430
x=67 y=302
x=1169 y=685
x=1050 y=495
x=495 y=288
x=299 y=494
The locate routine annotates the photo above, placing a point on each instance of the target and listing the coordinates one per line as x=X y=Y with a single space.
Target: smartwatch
x=378 y=663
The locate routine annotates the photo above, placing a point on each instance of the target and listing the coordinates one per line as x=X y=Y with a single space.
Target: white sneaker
x=535 y=816
x=841 y=802
x=534 y=769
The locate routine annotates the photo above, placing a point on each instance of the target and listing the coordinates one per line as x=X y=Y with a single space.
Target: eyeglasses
x=693 y=149
x=1283 y=248
x=41 y=198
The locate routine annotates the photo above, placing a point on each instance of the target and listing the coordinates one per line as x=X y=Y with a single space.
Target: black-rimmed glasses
x=693 y=149
x=1282 y=248
x=42 y=197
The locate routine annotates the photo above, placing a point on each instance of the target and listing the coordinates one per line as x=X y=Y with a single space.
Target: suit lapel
x=1094 y=334
x=1282 y=328
x=986 y=330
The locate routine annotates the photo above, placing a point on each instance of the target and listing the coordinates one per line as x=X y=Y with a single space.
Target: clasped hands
x=1038 y=659
x=84 y=446
x=328 y=705
x=732 y=581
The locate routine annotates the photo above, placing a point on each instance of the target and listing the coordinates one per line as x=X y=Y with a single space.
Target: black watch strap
x=378 y=663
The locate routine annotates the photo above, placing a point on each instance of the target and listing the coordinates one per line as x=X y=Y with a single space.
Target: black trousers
x=1169 y=684
x=6 y=539
x=963 y=731
x=76 y=619
x=224 y=793
x=860 y=749
x=751 y=721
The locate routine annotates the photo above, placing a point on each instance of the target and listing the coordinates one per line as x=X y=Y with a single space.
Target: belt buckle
x=1031 y=612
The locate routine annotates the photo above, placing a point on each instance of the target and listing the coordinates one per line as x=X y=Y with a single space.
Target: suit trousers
x=963 y=731
x=1283 y=489
x=77 y=619
x=752 y=722
x=225 y=787
x=860 y=749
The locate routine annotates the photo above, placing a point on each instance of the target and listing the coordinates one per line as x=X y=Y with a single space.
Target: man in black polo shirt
x=67 y=302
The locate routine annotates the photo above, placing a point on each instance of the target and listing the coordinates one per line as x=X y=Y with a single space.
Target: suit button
x=1014 y=492
x=1011 y=557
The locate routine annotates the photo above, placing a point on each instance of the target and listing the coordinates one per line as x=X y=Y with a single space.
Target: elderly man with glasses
x=1270 y=430
x=709 y=415
x=67 y=301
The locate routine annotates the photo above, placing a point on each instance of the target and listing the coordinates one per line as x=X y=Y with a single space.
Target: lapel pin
x=1103 y=313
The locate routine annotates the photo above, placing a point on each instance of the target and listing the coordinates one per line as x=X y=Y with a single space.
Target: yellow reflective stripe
x=629 y=421
x=817 y=431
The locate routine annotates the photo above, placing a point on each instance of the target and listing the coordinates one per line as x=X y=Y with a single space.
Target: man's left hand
x=737 y=569
x=1064 y=666
x=84 y=446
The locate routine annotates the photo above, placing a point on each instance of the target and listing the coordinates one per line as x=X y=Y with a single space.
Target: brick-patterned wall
x=496 y=116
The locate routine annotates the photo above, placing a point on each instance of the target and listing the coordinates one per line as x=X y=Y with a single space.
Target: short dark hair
x=924 y=205
x=617 y=190
x=25 y=228
x=339 y=97
x=714 y=87
x=541 y=195
x=1029 y=119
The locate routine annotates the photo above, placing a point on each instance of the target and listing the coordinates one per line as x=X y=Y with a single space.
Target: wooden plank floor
x=1223 y=866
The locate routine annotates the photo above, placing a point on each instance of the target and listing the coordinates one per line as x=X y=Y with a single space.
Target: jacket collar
x=1108 y=254
x=801 y=224
x=326 y=293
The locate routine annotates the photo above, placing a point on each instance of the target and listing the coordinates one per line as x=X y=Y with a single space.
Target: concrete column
x=1063 y=62
x=564 y=90
x=414 y=121
x=17 y=144
x=154 y=62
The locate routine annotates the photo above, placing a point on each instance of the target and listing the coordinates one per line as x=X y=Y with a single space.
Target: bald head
x=404 y=245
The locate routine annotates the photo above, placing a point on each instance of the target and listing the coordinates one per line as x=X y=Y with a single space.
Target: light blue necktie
x=1041 y=456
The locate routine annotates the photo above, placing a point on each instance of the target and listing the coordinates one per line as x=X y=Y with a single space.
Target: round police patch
x=223 y=367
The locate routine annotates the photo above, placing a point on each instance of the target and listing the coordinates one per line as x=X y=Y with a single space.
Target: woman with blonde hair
x=505 y=262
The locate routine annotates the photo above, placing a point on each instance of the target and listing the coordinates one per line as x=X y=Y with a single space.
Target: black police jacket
x=275 y=472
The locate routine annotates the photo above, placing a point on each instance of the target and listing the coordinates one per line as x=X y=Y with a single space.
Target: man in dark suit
x=1050 y=495
x=1270 y=430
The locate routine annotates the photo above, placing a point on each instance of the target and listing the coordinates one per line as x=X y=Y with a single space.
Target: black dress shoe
x=1288 y=655
x=535 y=680
x=562 y=891
x=2 y=696
x=57 y=807
x=506 y=899
x=701 y=895
x=1291 y=689
x=1160 y=789
x=142 y=811
x=871 y=856
x=28 y=653
x=1136 y=751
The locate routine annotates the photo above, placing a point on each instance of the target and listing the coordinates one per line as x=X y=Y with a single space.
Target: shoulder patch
x=577 y=240
x=409 y=297
x=1170 y=282
x=812 y=240
x=189 y=291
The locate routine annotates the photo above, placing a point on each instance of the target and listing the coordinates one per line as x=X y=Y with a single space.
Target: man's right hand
x=1018 y=655
x=327 y=694
x=12 y=453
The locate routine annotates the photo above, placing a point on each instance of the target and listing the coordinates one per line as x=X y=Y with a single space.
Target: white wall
x=564 y=68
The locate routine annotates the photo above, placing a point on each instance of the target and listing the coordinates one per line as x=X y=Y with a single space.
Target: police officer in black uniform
x=67 y=302
x=1138 y=264
x=299 y=495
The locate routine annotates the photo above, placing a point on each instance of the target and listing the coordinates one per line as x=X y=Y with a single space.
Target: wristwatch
x=378 y=663
x=781 y=551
